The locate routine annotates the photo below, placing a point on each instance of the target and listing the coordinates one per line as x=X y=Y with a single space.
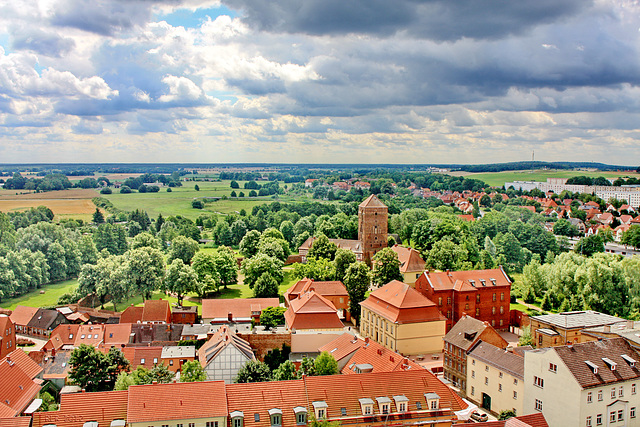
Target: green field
x=178 y=202
x=35 y=299
x=497 y=179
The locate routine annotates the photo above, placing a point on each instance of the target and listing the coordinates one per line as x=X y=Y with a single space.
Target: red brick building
x=7 y=336
x=372 y=226
x=482 y=294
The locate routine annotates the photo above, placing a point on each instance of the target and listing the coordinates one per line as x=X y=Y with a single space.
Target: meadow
x=497 y=179
x=34 y=298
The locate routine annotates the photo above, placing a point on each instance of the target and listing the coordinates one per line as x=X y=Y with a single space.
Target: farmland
x=72 y=203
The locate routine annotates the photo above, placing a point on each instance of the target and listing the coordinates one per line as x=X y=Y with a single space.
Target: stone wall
x=261 y=343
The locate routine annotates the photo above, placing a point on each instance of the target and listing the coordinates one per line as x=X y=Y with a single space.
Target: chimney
x=230 y=317
x=630 y=324
x=391 y=359
x=366 y=340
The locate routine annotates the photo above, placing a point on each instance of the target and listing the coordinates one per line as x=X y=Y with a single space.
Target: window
x=473 y=391
x=448 y=300
x=256 y=417
x=466 y=306
x=632 y=412
x=276 y=420
x=473 y=374
x=621 y=391
x=515 y=381
x=486 y=368
x=515 y=395
x=621 y=415
x=321 y=413
x=142 y=361
x=538 y=405
x=402 y=407
x=385 y=408
x=478 y=298
x=538 y=382
x=477 y=312
x=500 y=375
x=171 y=362
x=589 y=397
x=212 y=424
x=501 y=310
x=155 y=360
x=612 y=417
x=553 y=367
x=493 y=322
x=613 y=393
x=440 y=301
x=494 y=296
x=633 y=388
x=588 y=421
x=500 y=387
x=82 y=336
x=486 y=381
x=192 y=424
x=301 y=418
x=237 y=422
x=70 y=336
x=599 y=419
x=473 y=362
x=502 y=296
x=179 y=425
x=599 y=395
x=434 y=404
x=493 y=310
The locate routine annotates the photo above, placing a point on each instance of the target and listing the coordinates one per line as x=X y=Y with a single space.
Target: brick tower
x=372 y=226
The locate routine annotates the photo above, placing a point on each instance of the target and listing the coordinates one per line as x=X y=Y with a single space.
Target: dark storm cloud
x=104 y=17
x=432 y=19
x=44 y=43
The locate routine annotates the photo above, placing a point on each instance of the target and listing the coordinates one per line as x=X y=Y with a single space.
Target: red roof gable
x=156 y=311
x=77 y=408
x=342 y=346
x=380 y=358
x=312 y=311
x=400 y=303
x=17 y=388
x=238 y=307
x=410 y=259
x=132 y=314
x=22 y=315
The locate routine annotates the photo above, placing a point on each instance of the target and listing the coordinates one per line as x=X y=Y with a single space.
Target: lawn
x=497 y=179
x=178 y=202
x=35 y=299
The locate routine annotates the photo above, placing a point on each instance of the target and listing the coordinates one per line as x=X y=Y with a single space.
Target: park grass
x=35 y=299
x=178 y=201
x=497 y=179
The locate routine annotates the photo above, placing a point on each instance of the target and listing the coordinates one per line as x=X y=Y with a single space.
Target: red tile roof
x=465 y=280
x=156 y=311
x=17 y=388
x=219 y=341
x=343 y=346
x=346 y=390
x=259 y=398
x=78 y=408
x=531 y=420
x=380 y=358
x=372 y=202
x=64 y=334
x=176 y=401
x=136 y=355
x=410 y=259
x=90 y=335
x=132 y=314
x=239 y=307
x=400 y=303
x=117 y=334
x=312 y=311
x=15 y=422
x=22 y=315
x=330 y=288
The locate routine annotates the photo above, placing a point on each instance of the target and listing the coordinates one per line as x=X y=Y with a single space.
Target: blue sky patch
x=188 y=19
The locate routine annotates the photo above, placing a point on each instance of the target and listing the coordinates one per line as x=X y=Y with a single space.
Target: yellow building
x=496 y=378
x=403 y=320
x=411 y=264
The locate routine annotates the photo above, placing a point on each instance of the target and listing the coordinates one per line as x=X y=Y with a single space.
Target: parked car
x=477 y=416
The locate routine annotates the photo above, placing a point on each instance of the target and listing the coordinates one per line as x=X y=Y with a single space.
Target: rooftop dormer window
x=301 y=415
x=366 y=405
x=433 y=401
x=610 y=363
x=276 y=417
x=631 y=361
x=384 y=404
x=401 y=403
x=320 y=408
x=237 y=418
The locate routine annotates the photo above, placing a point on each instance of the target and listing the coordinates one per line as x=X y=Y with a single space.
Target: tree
x=357 y=280
x=57 y=262
x=526 y=338
x=197 y=187
x=343 y=259
x=226 y=265
x=307 y=367
x=253 y=371
x=192 y=371
x=589 y=245
x=287 y=230
x=143 y=240
x=180 y=279
x=159 y=373
x=315 y=268
x=184 y=248
x=145 y=270
x=286 y=371
x=562 y=227
x=95 y=371
x=197 y=204
x=631 y=237
x=272 y=317
x=124 y=381
x=259 y=265
x=249 y=243
x=266 y=287
x=326 y=364
x=276 y=248
x=322 y=248
x=386 y=267
x=446 y=255
x=98 y=218
x=506 y=414
x=238 y=230
x=234 y=184
x=205 y=267
x=88 y=250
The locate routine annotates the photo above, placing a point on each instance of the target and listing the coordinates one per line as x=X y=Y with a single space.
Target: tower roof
x=372 y=202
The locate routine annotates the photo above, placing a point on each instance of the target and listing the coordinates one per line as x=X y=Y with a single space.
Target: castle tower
x=372 y=226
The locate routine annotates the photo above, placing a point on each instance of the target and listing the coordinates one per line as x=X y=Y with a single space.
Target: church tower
x=372 y=226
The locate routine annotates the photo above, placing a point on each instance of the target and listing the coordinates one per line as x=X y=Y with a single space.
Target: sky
x=319 y=81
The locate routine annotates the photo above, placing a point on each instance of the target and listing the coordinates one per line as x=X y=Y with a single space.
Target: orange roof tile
x=156 y=311
x=78 y=408
x=17 y=388
x=219 y=341
x=346 y=390
x=239 y=307
x=372 y=202
x=381 y=359
x=465 y=280
x=15 y=422
x=90 y=335
x=260 y=398
x=64 y=334
x=410 y=259
x=400 y=303
x=176 y=401
x=328 y=288
x=312 y=311
x=142 y=356
x=22 y=315
x=25 y=363
x=117 y=334
x=132 y=314
x=343 y=346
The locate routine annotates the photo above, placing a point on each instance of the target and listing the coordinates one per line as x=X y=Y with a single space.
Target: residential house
x=198 y=331
x=312 y=311
x=43 y=322
x=549 y=330
x=132 y=314
x=586 y=384
x=333 y=291
x=401 y=319
x=495 y=378
x=7 y=336
x=531 y=420
x=20 y=384
x=372 y=357
x=147 y=357
x=483 y=294
x=61 y=336
x=155 y=334
x=354 y=246
x=185 y=315
x=459 y=341
x=173 y=357
x=21 y=316
x=56 y=367
x=235 y=311
x=107 y=408
x=411 y=264
x=224 y=354
x=178 y=404
x=343 y=348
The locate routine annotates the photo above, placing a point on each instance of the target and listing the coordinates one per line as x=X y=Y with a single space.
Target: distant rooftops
x=577 y=319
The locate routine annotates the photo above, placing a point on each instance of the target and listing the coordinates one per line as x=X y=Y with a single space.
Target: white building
x=223 y=355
